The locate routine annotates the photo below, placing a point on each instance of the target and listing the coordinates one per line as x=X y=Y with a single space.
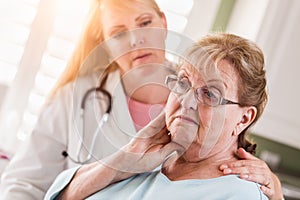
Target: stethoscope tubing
x=103 y=120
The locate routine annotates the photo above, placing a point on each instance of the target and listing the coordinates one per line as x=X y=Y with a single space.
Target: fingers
x=262 y=179
x=162 y=137
x=245 y=166
x=159 y=121
x=169 y=148
x=256 y=170
x=267 y=185
x=243 y=154
x=253 y=167
x=154 y=127
x=256 y=174
x=268 y=191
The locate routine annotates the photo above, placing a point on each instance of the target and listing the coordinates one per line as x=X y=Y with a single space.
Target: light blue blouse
x=155 y=185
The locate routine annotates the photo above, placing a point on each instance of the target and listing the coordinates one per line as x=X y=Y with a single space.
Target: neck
x=182 y=168
x=146 y=84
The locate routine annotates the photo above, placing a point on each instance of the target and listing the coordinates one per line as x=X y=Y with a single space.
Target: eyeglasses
x=207 y=95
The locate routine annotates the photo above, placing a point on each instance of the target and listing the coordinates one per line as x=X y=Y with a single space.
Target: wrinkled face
x=135 y=34
x=199 y=127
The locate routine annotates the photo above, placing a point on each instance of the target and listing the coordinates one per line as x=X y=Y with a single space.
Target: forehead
x=115 y=12
x=223 y=72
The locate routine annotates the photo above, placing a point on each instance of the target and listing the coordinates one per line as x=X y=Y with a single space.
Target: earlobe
x=235 y=131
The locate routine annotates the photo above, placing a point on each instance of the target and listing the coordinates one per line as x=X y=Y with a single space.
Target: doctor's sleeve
x=39 y=160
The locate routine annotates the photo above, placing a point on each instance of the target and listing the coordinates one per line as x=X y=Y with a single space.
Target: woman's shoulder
x=240 y=187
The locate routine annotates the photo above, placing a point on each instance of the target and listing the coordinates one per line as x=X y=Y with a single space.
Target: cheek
x=119 y=54
x=216 y=130
x=211 y=124
x=182 y=133
x=155 y=38
x=158 y=56
x=124 y=64
x=115 y=48
x=205 y=116
x=205 y=120
x=230 y=124
x=120 y=58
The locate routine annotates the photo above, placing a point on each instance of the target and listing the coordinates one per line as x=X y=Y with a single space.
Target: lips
x=141 y=56
x=187 y=119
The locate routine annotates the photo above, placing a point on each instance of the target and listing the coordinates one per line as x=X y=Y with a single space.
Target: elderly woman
x=218 y=93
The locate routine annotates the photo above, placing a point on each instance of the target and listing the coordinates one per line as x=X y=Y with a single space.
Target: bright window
x=36 y=39
x=67 y=24
x=15 y=21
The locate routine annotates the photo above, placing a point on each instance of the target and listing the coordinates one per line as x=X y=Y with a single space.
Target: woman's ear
x=164 y=19
x=247 y=118
x=165 y=25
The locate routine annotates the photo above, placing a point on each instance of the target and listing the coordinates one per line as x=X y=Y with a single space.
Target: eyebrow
x=144 y=15
x=218 y=81
x=113 y=29
x=183 y=71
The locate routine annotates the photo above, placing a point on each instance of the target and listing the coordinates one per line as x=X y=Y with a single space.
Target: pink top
x=142 y=113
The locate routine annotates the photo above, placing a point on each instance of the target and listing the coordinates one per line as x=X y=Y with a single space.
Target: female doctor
x=73 y=127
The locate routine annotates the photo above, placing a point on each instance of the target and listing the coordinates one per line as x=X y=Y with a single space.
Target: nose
x=136 y=39
x=189 y=101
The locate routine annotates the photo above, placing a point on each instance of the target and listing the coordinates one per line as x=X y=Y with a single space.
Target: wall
x=277 y=32
x=289 y=157
x=287 y=167
x=3 y=89
x=279 y=39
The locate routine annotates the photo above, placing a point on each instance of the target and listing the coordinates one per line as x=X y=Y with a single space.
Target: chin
x=183 y=136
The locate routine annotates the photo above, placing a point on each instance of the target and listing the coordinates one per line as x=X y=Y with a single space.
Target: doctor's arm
x=143 y=153
x=256 y=170
x=38 y=160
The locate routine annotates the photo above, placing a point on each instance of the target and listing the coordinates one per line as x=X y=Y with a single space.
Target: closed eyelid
x=191 y=77
x=198 y=82
x=116 y=30
x=217 y=85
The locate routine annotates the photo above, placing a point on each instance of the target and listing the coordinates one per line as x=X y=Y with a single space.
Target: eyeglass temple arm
x=226 y=101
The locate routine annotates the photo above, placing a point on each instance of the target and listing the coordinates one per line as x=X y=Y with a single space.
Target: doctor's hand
x=149 y=148
x=256 y=170
x=146 y=151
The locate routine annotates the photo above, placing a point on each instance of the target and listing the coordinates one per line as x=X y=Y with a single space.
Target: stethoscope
x=103 y=120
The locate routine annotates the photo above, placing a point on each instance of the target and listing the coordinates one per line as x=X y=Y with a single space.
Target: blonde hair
x=90 y=38
x=248 y=60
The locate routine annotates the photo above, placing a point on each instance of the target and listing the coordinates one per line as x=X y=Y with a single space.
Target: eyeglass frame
x=221 y=101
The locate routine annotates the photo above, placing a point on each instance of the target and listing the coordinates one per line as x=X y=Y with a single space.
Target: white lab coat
x=40 y=160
